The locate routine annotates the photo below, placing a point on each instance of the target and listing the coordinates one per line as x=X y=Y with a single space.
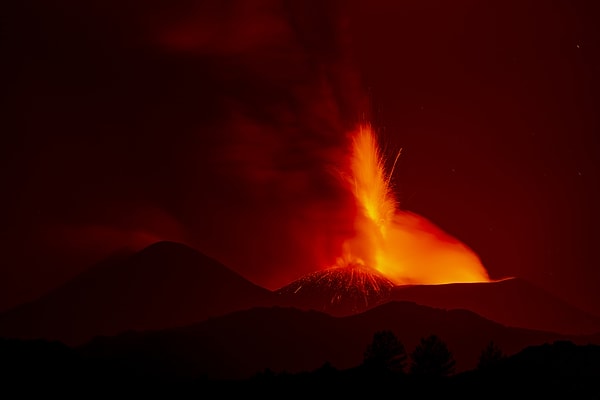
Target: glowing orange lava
x=403 y=246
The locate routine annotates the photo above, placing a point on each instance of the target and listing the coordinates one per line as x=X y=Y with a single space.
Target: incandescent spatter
x=339 y=290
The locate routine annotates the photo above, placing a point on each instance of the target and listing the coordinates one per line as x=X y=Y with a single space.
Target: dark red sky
x=217 y=124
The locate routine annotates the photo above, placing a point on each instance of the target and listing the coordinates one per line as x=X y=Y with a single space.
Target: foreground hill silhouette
x=560 y=367
x=240 y=344
x=165 y=285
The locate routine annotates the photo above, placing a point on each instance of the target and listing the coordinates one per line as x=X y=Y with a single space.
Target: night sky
x=218 y=123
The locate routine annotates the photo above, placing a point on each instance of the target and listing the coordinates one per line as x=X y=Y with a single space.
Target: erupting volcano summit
x=389 y=246
x=340 y=290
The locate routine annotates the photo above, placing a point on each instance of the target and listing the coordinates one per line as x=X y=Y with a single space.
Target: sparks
x=341 y=290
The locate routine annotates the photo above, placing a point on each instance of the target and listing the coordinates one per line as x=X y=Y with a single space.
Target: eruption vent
x=339 y=290
x=402 y=246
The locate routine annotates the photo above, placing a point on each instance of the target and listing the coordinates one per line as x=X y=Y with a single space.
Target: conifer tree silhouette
x=431 y=358
x=385 y=352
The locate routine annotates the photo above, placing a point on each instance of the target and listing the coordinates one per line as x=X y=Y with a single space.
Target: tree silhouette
x=490 y=355
x=385 y=352
x=431 y=358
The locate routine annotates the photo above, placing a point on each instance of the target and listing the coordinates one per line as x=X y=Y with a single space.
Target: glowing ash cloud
x=403 y=246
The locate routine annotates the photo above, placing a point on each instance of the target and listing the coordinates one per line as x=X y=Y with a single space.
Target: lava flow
x=402 y=246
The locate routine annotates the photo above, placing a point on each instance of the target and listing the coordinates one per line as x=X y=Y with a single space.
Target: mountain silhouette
x=170 y=285
x=286 y=339
x=167 y=284
x=513 y=302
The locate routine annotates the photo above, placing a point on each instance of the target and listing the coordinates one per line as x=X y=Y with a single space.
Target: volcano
x=338 y=291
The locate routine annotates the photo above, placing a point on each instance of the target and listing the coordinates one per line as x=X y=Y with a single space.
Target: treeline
x=427 y=370
x=386 y=355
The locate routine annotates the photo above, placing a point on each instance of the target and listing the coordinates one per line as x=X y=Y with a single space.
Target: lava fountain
x=402 y=246
x=389 y=247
